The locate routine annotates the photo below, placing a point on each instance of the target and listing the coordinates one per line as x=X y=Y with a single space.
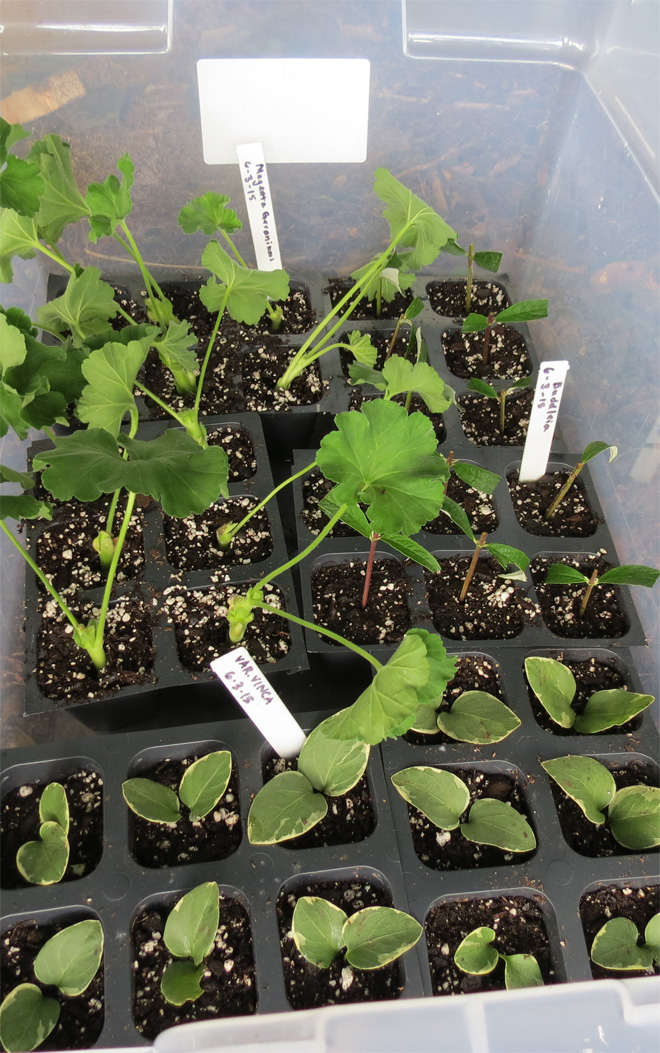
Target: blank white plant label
x=258 y=699
x=254 y=177
x=543 y=420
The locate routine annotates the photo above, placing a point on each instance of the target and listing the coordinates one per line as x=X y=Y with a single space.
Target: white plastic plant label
x=303 y=110
x=254 y=177
x=257 y=698
x=543 y=420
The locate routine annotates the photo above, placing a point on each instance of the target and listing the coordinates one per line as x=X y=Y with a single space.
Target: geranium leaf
x=362 y=348
x=110 y=373
x=248 y=291
x=205 y=782
x=83 y=465
x=402 y=375
x=439 y=795
x=209 y=213
x=358 y=373
x=61 y=202
x=442 y=667
x=285 y=807
x=109 y=202
x=376 y=936
x=412 y=223
x=70 y=959
x=610 y=709
x=478 y=717
x=9 y=475
x=192 y=923
x=475 y=954
x=23 y=506
x=492 y=822
x=554 y=686
x=615 y=947
x=175 y=470
x=12 y=344
x=18 y=237
x=21 y=186
x=584 y=779
x=332 y=766
x=634 y=817
x=151 y=800
x=317 y=930
x=83 y=308
x=27 y=1018
x=174 y=347
x=180 y=982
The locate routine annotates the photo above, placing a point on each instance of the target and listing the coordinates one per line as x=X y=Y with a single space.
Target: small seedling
x=554 y=686
x=488 y=261
x=525 y=311
x=504 y=554
x=202 y=786
x=475 y=384
x=617 y=945
x=400 y=376
x=294 y=802
x=590 y=451
x=630 y=574
x=475 y=716
x=189 y=936
x=477 y=956
x=443 y=798
x=370 y=939
x=44 y=862
x=68 y=961
x=393 y=279
x=633 y=813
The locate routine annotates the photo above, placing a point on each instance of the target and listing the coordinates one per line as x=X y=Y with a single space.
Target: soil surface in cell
x=381 y=341
x=65 y=552
x=191 y=543
x=618 y=901
x=215 y=836
x=228 y=983
x=519 y=928
x=131 y=306
x=202 y=630
x=447 y=297
x=314 y=488
x=263 y=365
x=81 y=1017
x=474 y=672
x=65 y=672
x=417 y=405
x=350 y=817
x=220 y=393
x=19 y=823
x=506 y=354
x=480 y=418
x=308 y=987
x=478 y=507
x=560 y=604
x=237 y=444
x=531 y=501
x=297 y=316
x=584 y=836
x=337 y=601
x=449 y=849
x=389 y=309
x=494 y=607
x=591 y=675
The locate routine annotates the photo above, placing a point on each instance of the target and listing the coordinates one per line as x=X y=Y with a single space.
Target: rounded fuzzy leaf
x=475 y=954
x=477 y=716
x=151 y=800
x=180 y=982
x=192 y=923
x=554 y=685
x=586 y=781
x=610 y=709
x=439 y=795
x=521 y=970
x=205 y=782
x=21 y=186
x=27 y=1018
x=332 y=766
x=631 y=574
x=376 y=936
x=317 y=930
x=615 y=947
x=492 y=822
x=634 y=817
x=70 y=959
x=44 y=862
x=652 y=936
x=53 y=806
x=285 y=807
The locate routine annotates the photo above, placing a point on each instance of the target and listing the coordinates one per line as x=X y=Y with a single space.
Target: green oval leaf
x=475 y=954
x=151 y=800
x=560 y=574
x=44 y=862
x=521 y=970
x=554 y=685
x=426 y=720
x=631 y=574
x=478 y=478
x=70 y=959
x=193 y=922
x=477 y=716
x=54 y=807
x=634 y=817
x=475 y=384
x=376 y=936
x=492 y=822
x=489 y=261
x=205 y=782
x=27 y=1018
x=594 y=448
x=524 y=311
x=285 y=807
x=652 y=936
x=180 y=982
x=317 y=930
x=332 y=766
x=506 y=554
x=586 y=781
x=615 y=947
x=610 y=709
x=440 y=795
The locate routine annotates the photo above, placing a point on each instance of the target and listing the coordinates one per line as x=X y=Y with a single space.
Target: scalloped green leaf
x=246 y=291
x=205 y=782
x=84 y=307
x=23 y=506
x=441 y=667
x=412 y=222
x=402 y=376
x=362 y=348
x=332 y=766
x=61 y=202
x=376 y=936
x=111 y=373
x=317 y=930
x=285 y=807
x=109 y=202
x=192 y=923
x=180 y=982
x=586 y=781
x=9 y=475
x=209 y=213
x=615 y=947
x=70 y=959
x=18 y=237
x=27 y=1017
x=477 y=716
x=174 y=347
x=21 y=186
x=634 y=817
x=610 y=709
x=475 y=954
x=151 y=800
x=554 y=686
x=492 y=822
x=438 y=794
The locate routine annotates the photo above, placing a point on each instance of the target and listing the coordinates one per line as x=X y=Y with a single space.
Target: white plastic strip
x=254 y=177
x=543 y=420
x=258 y=699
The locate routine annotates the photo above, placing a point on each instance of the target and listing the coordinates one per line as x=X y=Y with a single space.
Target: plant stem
x=129 y=246
x=502 y=401
x=473 y=566
x=379 y=298
x=234 y=249
x=397 y=327
x=470 y=272
x=487 y=331
x=159 y=402
x=305 y=552
x=375 y=538
x=408 y=401
x=40 y=574
x=207 y=356
x=323 y=631
x=450 y=461
x=587 y=592
x=149 y=279
x=54 y=255
x=564 y=490
x=231 y=532
x=105 y=603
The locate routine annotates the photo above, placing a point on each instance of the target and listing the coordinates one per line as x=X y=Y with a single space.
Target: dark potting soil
x=191 y=543
x=531 y=501
x=137 y=313
x=263 y=364
x=81 y=1017
x=307 y=986
x=392 y=309
x=494 y=608
x=19 y=823
x=350 y=817
x=417 y=405
x=65 y=672
x=478 y=507
x=449 y=849
x=337 y=601
x=297 y=316
x=474 y=672
x=519 y=927
x=66 y=554
x=507 y=355
x=315 y=487
x=219 y=391
x=618 y=901
x=560 y=604
x=447 y=297
x=584 y=836
x=216 y=836
x=202 y=630
x=381 y=341
x=237 y=444
x=591 y=675
x=480 y=418
x=228 y=982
